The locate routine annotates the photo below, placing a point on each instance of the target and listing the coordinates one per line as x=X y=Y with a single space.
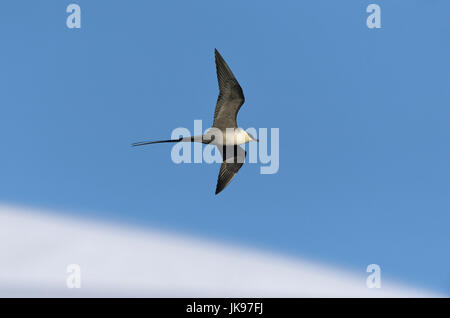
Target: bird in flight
x=224 y=134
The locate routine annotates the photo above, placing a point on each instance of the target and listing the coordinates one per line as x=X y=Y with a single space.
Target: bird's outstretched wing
x=230 y=98
x=233 y=159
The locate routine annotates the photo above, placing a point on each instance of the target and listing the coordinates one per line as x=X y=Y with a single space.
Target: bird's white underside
x=229 y=137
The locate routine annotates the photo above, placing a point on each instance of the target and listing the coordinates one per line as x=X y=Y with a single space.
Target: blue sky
x=363 y=117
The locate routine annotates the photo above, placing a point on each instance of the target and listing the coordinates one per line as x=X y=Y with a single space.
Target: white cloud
x=37 y=247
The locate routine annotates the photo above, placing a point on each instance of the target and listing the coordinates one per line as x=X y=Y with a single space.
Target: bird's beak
x=257 y=140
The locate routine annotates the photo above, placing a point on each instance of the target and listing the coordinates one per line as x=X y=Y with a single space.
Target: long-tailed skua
x=225 y=134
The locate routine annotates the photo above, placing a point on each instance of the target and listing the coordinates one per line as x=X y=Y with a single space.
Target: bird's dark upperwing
x=230 y=98
x=233 y=159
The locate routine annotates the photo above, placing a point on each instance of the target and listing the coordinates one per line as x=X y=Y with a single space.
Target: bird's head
x=250 y=137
